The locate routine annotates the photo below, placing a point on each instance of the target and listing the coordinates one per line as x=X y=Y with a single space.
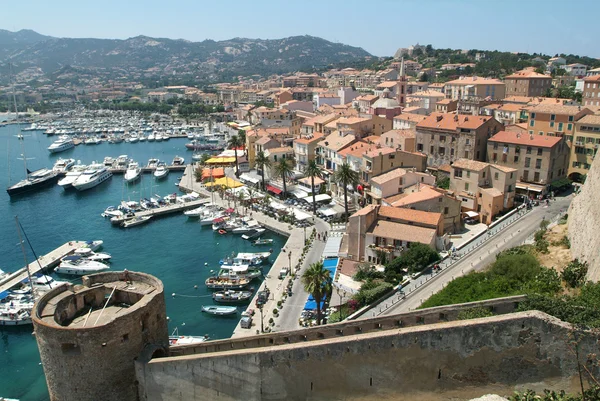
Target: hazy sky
x=378 y=26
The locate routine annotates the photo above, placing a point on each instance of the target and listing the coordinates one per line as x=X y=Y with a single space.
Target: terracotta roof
x=445 y=101
x=424 y=193
x=502 y=168
x=527 y=74
x=507 y=106
x=387 y=84
x=352 y=120
x=450 y=121
x=356 y=149
x=402 y=231
x=368 y=98
x=589 y=119
x=472 y=165
x=492 y=191
x=282 y=149
x=475 y=81
x=595 y=78
x=515 y=138
x=325 y=118
x=410 y=117
x=316 y=136
x=417 y=216
x=445 y=168
x=428 y=93
x=556 y=109
x=349 y=267
x=375 y=151
x=306 y=180
x=364 y=211
x=264 y=140
x=336 y=142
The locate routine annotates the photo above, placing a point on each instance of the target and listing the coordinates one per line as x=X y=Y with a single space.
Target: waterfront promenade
x=287 y=318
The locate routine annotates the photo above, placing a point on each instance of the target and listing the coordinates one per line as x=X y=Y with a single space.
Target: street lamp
x=339 y=292
x=262 y=323
x=304 y=235
x=290 y=261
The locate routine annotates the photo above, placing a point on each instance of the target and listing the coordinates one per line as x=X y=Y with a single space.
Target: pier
x=176 y=207
x=172 y=167
x=44 y=263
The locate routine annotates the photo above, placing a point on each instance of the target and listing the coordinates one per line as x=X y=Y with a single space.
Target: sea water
x=173 y=248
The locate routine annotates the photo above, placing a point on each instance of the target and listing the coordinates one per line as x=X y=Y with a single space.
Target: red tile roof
x=450 y=121
x=542 y=141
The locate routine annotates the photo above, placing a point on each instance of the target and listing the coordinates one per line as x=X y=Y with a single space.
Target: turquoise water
x=172 y=248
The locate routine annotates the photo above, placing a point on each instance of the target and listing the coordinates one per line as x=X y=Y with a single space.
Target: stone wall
x=430 y=362
x=584 y=223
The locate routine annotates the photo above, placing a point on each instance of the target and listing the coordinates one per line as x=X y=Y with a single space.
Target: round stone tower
x=90 y=335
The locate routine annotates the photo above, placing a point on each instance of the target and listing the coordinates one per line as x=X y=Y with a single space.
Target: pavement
x=475 y=256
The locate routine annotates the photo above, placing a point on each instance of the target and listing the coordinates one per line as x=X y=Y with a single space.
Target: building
x=474 y=92
x=425 y=99
x=400 y=139
x=364 y=126
x=446 y=106
x=275 y=155
x=506 y=113
x=591 y=91
x=386 y=106
x=554 y=119
x=576 y=69
x=305 y=149
x=266 y=137
x=378 y=160
x=393 y=183
x=327 y=152
x=527 y=83
x=107 y=342
x=407 y=121
x=332 y=99
x=539 y=159
x=363 y=103
x=484 y=188
x=584 y=147
x=447 y=137
x=383 y=232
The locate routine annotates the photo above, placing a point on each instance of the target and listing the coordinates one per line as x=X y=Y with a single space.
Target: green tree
x=312 y=171
x=262 y=161
x=574 y=273
x=345 y=176
x=424 y=77
x=285 y=169
x=416 y=258
x=317 y=282
x=242 y=135
x=235 y=143
x=442 y=181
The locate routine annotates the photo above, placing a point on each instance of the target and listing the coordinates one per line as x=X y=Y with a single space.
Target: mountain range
x=36 y=56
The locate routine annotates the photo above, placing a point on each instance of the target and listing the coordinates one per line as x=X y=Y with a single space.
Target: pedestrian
x=126 y=277
x=318 y=237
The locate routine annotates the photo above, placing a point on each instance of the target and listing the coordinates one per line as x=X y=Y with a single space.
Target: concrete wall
x=434 y=362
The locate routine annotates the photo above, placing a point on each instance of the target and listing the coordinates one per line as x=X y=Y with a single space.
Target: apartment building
x=364 y=126
x=576 y=69
x=554 y=119
x=466 y=88
x=278 y=135
x=527 y=82
x=584 y=147
x=539 y=159
x=591 y=91
x=382 y=159
x=400 y=139
x=305 y=149
x=425 y=99
x=484 y=188
x=363 y=103
x=394 y=182
x=328 y=149
x=508 y=113
x=447 y=137
x=407 y=121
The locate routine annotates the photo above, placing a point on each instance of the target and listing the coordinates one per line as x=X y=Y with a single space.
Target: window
x=538 y=163
x=466 y=154
x=541 y=132
x=495 y=145
x=431 y=149
x=458 y=172
x=552 y=117
x=442 y=151
x=517 y=149
x=569 y=127
x=496 y=175
x=509 y=189
x=570 y=118
x=525 y=175
x=468 y=174
x=511 y=175
x=528 y=150
x=468 y=141
x=532 y=116
x=531 y=132
x=540 y=151
x=442 y=138
x=516 y=159
x=551 y=124
x=419 y=147
x=494 y=156
x=445 y=209
x=466 y=186
x=536 y=176
x=560 y=127
x=504 y=157
x=531 y=123
x=451 y=152
x=527 y=162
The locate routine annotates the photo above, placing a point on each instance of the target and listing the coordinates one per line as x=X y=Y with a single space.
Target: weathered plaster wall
x=462 y=359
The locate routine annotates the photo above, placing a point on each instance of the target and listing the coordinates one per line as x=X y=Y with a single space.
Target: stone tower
x=90 y=335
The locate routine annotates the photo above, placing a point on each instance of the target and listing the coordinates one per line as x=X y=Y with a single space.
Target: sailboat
x=33 y=179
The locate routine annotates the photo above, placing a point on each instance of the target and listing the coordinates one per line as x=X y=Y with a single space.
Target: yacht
x=94 y=140
x=79 y=266
x=45 y=283
x=68 y=180
x=143 y=138
x=133 y=138
x=96 y=174
x=15 y=316
x=178 y=161
x=34 y=180
x=91 y=255
x=176 y=339
x=161 y=171
x=208 y=219
x=196 y=212
x=63 y=143
x=151 y=137
x=108 y=162
x=112 y=211
x=136 y=221
x=152 y=163
x=158 y=137
x=63 y=165
x=94 y=245
x=122 y=162
x=133 y=172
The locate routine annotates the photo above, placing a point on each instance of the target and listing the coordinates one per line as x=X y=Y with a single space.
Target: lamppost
x=290 y=261
x=262 y=323
x=305 y=235
x=340 y=292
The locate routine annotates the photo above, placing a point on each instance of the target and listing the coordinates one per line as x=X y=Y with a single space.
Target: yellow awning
x=225 y=182
x=221 y=160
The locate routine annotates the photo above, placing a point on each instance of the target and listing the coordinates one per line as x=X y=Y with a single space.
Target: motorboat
x=63 y=165
x=158 y=137
x=208 y=219
x=229 y=297
x=122 y=162
x=237 y=270
x=91 y=255
x=152 y=163
x=263 y=241
x=248 y=258
x=94 y=245
x=197 y=156
x=35 y=180
x=3 y=274
x=219 y=310
x=63 y=143
x=133 y=138
x=79 y=266
x=225 y=283
x=94 y=140
x=15 y=317
x=151 y=137
x=136 y=221
x=246 y=227
x=176 y=339
x=133 y=172
x=196 y=212
x=178 y=161
x=112 y=211
x=108 y=162
x=257 y=232
x=44 y=283
x=161 y=171
x=68 y=180
x=119 y=220
x=143 y=138
x=95 y=175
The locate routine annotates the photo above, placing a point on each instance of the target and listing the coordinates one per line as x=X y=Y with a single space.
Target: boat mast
x=24 y=256
x=18 y=124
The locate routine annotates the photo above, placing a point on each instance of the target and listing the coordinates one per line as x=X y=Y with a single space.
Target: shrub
x=574 y=273
x=474 y=313
x=275 y=311
x=544 y=224
x=416 y=258
x=371 y=291
x=367 y=272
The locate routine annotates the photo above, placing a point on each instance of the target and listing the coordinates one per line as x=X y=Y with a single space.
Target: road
x=475 y=256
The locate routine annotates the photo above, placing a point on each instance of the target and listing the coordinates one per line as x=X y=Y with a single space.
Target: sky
x=378 y=26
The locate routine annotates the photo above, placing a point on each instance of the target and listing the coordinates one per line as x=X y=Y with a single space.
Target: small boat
x=63 y=165
x=108 y=162
x=112 y=211
x=143 y=138
x=222 y=232
x=225 y=283
x=152 y=163
x=257 y=232
x=178 y=161
x=44 y=283
x=94 y=245
x=265 y=241
x=15 y=317
x=133 y=172
x=79 y=266
x=196 y=212
x=91 y=255
x=176 y=339
x=158 y=137
x=136 y=221
x=151 y=137
x=119 y=220
x=231 y=296
x=219 y=310
x=161 y=171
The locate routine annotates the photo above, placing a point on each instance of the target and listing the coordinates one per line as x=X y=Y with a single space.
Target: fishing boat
x=63 y=143
x=224 y=283
x=257 y=232
x=176 y=339
x=63 y=165
x=219 y=310
x=94 y=175
x=76 y=265
x=230 y=297
x=91 y=255
x=136 y=221
x=263 y=241
x=133 y=172
x=67 y=181
x=178 y=161
x=161 y=171
x=235 y=271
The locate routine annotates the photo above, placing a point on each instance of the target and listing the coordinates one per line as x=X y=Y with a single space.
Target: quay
x=43 y=263
x=173 y=167
x=177 y=207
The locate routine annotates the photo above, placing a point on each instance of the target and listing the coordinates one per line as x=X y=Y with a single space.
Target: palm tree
x=345 y=176
x=242 y=135
x=317 y=282
x=284 y=169
x=234 y=142
x=312 y=171
x=262 y=161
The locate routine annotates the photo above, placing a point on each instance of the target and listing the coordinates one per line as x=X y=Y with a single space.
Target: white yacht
x=79 y=266
x=133 y=172
x=94 y=140
x=122 y=162
x=133 y=138
x=94 y=245
x=178 y=161
x=45 y=283
x=69 y=179
x=208 y=219
x=151 y=137
x=63 y=165
x=63 y=143
x=152 y=163
x=161 y=171
x=159 y=137
x=108 y=162
x=95 y=174
x=91 y=255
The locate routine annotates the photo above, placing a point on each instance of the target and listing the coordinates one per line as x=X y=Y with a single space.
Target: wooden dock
x=176 y=207
x=46 y=262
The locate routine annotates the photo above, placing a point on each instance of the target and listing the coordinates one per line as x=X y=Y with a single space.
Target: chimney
x=439 y=118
